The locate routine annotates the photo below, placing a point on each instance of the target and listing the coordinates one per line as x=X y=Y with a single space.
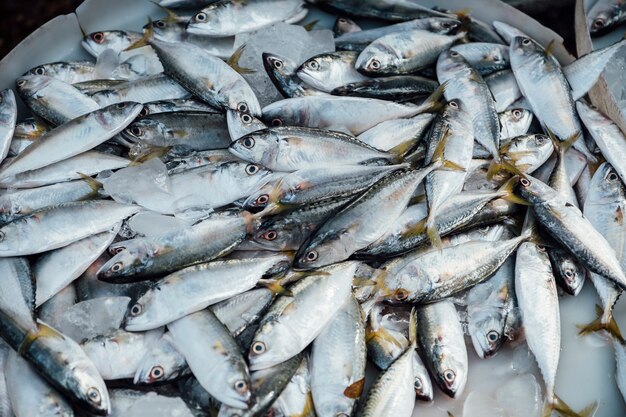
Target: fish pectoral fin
x=597 y=325
x=275 y=286
x=147 y=35
x=233 y=61
x=355 y=389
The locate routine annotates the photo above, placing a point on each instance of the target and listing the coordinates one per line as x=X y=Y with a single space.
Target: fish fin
x=562 y=146
x=147 y=35
x=417 y=229
x=275 y=286
x=150 y=153
x=450 y=414
x=252 y=221
x=550 y=48
x=355 y=389
x=106 y=63
x=94 y=184
x=464 y=17
x=402 y=149
x=233 y=61
x=597 y=325
x=309 y=26
x=413 y=328
x=43 y=330
x=418 y=199
x=563 y=409
x=171 y=16
x=433 y=103
x=506 y=191
x=451 y=166
x=495 y=167
x=432 y=232
x=363 y=282
x=439 y=152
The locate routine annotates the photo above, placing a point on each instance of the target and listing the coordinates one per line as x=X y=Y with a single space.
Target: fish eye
x=248 y=142
x=98 y=37
x=200 y=17
x=525 y=182
x=541 y=248
x=117 y=267
x=136 y=309
x=526 y=42
x=21 y=83
x=258 y=347
x=418 y=384
x=156 y=372
x=314 y=65
x=252 y=169
x=612 y=176
x=2 y=236
x=277 y=122
x=262 y=199
x=270 y=235
x=374 y=64
x=496 y=59
x=446 y=25
x=493 y=336
x=454 y=54
x=454 y=104
x=242 y=107
x=278 y=64
x=121 y=105
x=246 y=118
x=342 y=20
x=160 y=23
x=517 y=113
x=117 y=250
x=94 y=395
x=598 y=23
x=449 y=375
x=40 y=71
x=136 y=131
x=569 y=273
x=241 y=386
x=311 y=256
x=144 y=112
x=400 y=294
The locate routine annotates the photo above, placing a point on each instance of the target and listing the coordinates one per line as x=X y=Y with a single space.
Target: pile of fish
x=176 y=239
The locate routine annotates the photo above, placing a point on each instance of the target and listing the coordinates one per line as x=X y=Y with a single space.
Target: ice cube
x=147 y=185
x=523 y=360
x=152 y=404
x=478 y=404
x=52 y=310
x=94 y=317
x=290 y=41
x=521 y=396
x=154 y=224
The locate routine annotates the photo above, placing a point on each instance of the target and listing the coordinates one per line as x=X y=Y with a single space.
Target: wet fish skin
x=282 y=72
x=394 y=88
x=8 y=118
x=605 y=15
x=329 y=70
x=161 y=362
x=97 y=42
x=485 y=57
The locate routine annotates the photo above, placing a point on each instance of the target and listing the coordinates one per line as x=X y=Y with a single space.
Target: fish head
x=271 y=237
x=375 y=59
x=515 y=122
x=606 y=185
x=281 y=67
x=109 y=117
x=524 y=50
x=325 y=249
x=406 y=285
x=316 y=71
x=266 y=349
x=288 y=112
x=442 y=25
x=248 y=176
x=261 y=146
x=158 y=365
x=145 y=311
x=166 y=28
x=89 y=387
x=486 y=328
x=532 y=190
x=343 y=25
x=452 y=62
x=570 y=274
x=603 y=16
x=145 y=130
x=207 y=20
x=241 y=124
x=450 y=373
x=118 y=40
x=29 y=85
x=127 y=261
x=237 y=388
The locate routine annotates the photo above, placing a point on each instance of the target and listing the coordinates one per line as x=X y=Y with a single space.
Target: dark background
x=18 y=18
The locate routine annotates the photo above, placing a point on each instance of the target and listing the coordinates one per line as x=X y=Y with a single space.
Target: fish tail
x=149 y=153
x=433 y=103
x=233 y=61
x=565 y=410
x=602 y=323
x=498 y=165
x=171 y=16
x=275 y=286
x=399 y=151
x=94 y=184
x=413 y=328
x=147 y=35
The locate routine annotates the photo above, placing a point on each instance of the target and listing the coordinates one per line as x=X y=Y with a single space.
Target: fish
x=161 y=362
x=118 y=40
x=241 y=124
x=527 y=152
x=200 y=285
x=569 y=227
x=345 y=25
x=359 y=40
x=292 y=322
x=605 y=15
x=543 y=84
x=230 y=17
x=485 y=57
x=394 y=88
x=8 y=118
x=404 y=52
x=440 y=338
x=386 y=9
x=80 y=135
x=296 y=399
x=514 y=122
x=289 y=149
x=144 y=90
x=392 y=133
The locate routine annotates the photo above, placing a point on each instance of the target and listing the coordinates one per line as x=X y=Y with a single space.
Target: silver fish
x=327 y=71
x=282 y=72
